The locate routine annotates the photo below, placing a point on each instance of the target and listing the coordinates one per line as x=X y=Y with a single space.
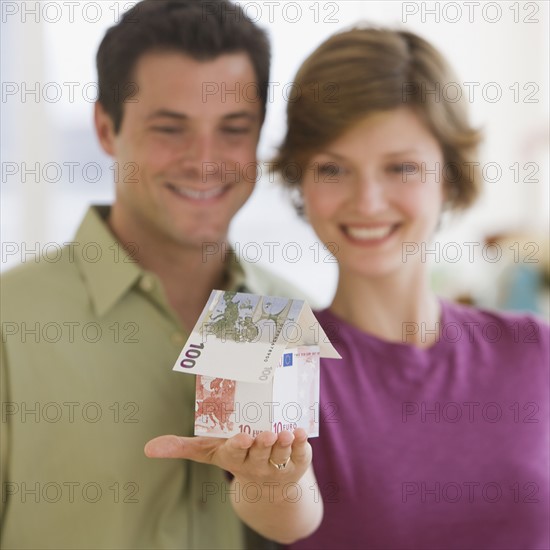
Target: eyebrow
x=164 y=113
x=332 y=154
x=404 y=152
x=241 y=115
x=394 y=154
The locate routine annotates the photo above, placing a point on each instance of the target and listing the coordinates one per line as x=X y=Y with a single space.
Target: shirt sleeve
x=5 y=429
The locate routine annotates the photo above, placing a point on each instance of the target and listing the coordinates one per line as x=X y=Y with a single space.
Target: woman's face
x=376 y=193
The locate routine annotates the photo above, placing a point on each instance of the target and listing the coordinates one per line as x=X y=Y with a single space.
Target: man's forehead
x=174 y=83
x=175 y=65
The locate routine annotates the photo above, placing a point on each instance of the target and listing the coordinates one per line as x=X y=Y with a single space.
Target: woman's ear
x=450 y=193
x=297 y=201
x=105 y=129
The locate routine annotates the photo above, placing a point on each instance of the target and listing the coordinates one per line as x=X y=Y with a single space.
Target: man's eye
x=167 y=129
x=235 y=131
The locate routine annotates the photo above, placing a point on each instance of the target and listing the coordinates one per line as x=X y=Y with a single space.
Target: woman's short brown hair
x=359 y=72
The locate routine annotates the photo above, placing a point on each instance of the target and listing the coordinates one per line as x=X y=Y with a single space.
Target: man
x=79 y=405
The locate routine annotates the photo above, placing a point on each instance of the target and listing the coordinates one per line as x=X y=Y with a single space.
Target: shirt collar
x=109 y=271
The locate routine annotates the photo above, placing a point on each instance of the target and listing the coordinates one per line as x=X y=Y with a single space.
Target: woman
x=435 y=427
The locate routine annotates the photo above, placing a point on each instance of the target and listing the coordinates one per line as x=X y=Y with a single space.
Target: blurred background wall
x=53 y=168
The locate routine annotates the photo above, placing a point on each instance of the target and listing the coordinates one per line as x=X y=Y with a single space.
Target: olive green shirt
x=88 y=344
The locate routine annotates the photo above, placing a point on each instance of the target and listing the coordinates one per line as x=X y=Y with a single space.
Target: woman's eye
x=403 y=168
x=330 y=169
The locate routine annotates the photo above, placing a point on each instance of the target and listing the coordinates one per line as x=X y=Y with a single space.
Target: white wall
x=487 y=42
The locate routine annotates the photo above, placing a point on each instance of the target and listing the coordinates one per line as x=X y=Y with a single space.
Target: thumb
x=166 y=446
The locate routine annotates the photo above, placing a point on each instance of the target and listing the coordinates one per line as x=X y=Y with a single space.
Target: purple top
x=446 y=447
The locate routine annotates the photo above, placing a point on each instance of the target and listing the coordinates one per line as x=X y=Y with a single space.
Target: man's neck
x=186 y=274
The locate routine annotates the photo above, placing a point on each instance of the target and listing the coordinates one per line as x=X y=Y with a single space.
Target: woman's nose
x=369 y=195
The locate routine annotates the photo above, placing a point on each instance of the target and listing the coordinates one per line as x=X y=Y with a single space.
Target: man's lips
x=194 y=194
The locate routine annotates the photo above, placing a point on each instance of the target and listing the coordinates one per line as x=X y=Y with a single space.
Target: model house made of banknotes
x=257 y=364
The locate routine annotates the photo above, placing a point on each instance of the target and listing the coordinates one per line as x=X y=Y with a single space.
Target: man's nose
x=201 y=155
x=206 y=147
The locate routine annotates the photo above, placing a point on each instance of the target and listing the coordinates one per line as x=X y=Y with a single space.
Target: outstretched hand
x=273 y=462
x=246 y=458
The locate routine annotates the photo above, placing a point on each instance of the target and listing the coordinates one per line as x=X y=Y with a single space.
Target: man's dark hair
x=200 y=29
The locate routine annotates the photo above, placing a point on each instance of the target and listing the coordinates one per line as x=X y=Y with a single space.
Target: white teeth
x=369 y=233
x=198 y=195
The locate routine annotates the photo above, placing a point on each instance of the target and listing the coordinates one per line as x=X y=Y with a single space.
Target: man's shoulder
x=48 y=278
x=50 y=264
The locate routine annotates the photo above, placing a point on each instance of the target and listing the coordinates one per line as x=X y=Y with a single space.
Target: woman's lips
x=369 y=234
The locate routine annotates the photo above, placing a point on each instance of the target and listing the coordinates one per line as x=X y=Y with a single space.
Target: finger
x=166 y=446
x=260 y=451
x=301 y=449
x=282 y=449
x=235 y=451
x=241 y=441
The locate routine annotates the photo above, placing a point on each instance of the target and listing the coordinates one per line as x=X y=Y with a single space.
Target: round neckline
x=378 y=342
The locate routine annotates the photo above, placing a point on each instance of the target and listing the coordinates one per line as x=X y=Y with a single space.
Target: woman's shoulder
x=492 y=325
x=474 y=327
x=454 y=311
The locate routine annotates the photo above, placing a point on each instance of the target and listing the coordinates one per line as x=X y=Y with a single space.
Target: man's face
x=185 y=158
